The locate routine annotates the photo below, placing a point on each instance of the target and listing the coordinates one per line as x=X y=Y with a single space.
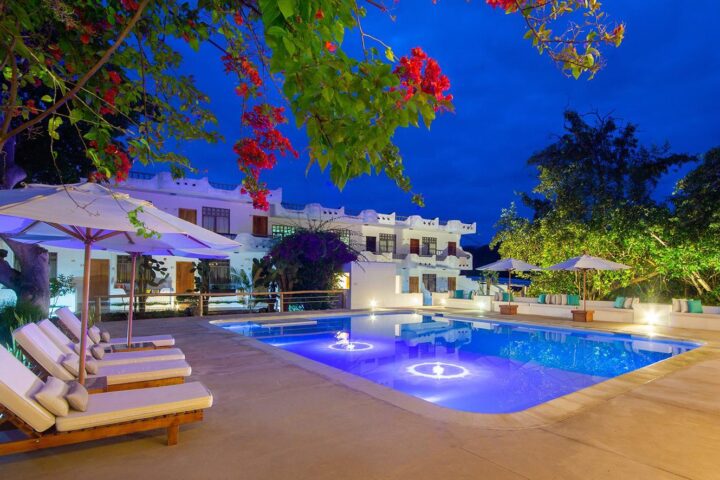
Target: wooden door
x=260 y=226
x=452 y=284
x=452 y=249
x=414 y=285
x=415 y=246
x=99 y=278
x=184 y=277
x=188 y=214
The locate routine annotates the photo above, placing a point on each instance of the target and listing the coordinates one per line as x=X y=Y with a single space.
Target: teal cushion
x=542 y=297
x=619 y=302
x=507 y=297
x=574 y=300
x=459 y=293
x=470 y=295
x=695 y=306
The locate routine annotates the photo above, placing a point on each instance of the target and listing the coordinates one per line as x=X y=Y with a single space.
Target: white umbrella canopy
x=588 y=262
x=583 y=263
x=508 y=265
x=89 y=215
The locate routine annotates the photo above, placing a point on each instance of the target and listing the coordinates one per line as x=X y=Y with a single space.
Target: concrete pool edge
x=538 y=416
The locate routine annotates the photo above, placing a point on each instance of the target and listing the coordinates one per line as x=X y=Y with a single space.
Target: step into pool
x=472 y=365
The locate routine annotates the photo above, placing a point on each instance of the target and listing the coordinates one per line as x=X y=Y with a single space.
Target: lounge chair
x=73 y=326
x=113 y=358
x=49 y=360
x=109 y=414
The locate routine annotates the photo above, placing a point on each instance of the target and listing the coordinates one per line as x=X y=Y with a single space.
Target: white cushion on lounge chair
x=57 y=336
x=125 y=406
x=142 y=372
x=113 y=358
x=42 y=350
x=72 y=323
x=18 y=386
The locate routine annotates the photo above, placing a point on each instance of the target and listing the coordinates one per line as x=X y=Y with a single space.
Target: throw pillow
x=563 y=299
x=71 y=362
x=619 y=302
x=541 y=298
x=77 y=397
x=105 y=336
x=94 y=334
x=98 y=351
x=675 y=304
x=628 y=303
x=683 y=305
x=695 y=306
x=52 y=397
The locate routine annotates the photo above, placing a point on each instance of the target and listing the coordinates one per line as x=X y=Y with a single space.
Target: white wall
x=375 y=284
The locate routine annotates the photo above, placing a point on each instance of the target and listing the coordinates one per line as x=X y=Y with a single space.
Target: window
x=124 y=268
x=415 y=246
x=52 y=263
x=371 y=244
x=260 y=226
x=219 y=274
x=282 y=231
x=216 y=219
x=387 y=243
x=344 y=234
x=429 y=246
x=188 y=214
x=452 y=284
x=430 y=282
x=452 y=249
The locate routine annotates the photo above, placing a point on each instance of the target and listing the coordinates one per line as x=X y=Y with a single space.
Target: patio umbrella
x=88 y=216
x=583 y=263
x=508 y=265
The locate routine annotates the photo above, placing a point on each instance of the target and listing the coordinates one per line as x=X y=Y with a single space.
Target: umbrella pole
x=585 y=290
x=85 y=312
x=509 y=283
x=131 y=302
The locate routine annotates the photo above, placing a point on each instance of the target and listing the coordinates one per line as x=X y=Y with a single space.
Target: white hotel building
x=402 y=257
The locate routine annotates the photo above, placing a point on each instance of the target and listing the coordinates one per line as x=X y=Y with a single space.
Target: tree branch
x=85 y=78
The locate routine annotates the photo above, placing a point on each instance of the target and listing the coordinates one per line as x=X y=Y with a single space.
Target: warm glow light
x=651 y=317
x=351 y=346
x=373 y=303
x=373 y=317
x=443 y=301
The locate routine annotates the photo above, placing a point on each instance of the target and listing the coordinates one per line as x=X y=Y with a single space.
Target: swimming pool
x=481 y=366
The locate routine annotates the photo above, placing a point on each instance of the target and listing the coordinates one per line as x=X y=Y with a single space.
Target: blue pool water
x=470 y=365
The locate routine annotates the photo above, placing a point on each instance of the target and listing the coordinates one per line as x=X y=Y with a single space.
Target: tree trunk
x=32 y=282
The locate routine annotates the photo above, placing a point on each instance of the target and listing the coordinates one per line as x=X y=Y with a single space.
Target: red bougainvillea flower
x=238 y=18
x=504 y=4
x=131 y=5
x=242 y=90
x=85 y=38
x=30 y=104
x=115 y=77
x=420 y=73
x=330 y=47
x=319 y=15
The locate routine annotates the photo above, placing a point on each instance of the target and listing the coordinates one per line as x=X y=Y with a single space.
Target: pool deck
x=274 y=419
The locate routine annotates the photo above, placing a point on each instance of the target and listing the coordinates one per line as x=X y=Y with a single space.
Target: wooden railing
x=201 y=304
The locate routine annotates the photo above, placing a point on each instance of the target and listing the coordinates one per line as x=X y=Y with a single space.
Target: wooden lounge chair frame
x=99 y=384
x=52 y=438
x=132 y=348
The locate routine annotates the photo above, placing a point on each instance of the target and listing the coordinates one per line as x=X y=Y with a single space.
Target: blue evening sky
x=509 y=103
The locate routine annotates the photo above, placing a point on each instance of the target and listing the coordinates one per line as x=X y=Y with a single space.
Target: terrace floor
x=273 y=419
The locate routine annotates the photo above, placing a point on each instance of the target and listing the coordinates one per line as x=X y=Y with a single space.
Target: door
x=371 y=244
x=415 y=246
x=452 y=284
x=452 y=249
x=188 y=214
x=260 y=226
x=99 y=278
x=414 y=285
x=184 y=277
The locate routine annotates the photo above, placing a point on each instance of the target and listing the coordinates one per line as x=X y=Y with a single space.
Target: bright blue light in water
x=475 y=366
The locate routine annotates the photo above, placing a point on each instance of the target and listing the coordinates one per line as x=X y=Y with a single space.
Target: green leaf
x=287 y=7
x=46 y=99
x=53 y=125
